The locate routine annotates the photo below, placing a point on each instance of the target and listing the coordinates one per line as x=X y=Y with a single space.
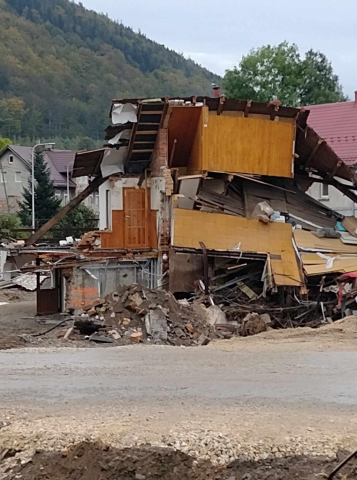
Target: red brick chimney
x=216 y=90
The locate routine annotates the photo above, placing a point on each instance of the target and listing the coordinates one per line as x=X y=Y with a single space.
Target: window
x=18 y=177
x=324 y=191
x=65 y=199
x=3 y=177
x=97 y=200
x=11 y=159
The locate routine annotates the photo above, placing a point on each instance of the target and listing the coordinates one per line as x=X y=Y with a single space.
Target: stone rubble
x=136 y=314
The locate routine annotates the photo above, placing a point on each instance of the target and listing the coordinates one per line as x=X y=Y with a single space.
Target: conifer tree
x=46 y=203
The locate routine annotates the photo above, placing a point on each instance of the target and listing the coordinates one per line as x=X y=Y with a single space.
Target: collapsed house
x=206 y=196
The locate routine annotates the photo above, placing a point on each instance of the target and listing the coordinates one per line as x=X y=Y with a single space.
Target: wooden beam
x=312 y=154
x=171 y=159
x=344 y=189
x=205 y=268
x=133 y=135
x=164 y=112
x=340 y=186
x=335 y=169
x=94 y=185
x=222 y=99
x=247 y=108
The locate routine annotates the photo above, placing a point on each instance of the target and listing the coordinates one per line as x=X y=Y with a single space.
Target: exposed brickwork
x=3 y=206
x=160 y=155
x=80 y=296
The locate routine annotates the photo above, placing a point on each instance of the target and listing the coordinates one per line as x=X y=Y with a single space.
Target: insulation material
x=188 y=188
x=225 y=232
x=113 y=161
x=348 y=239
x=124 y=135
x=124 y=113
x=308 y=241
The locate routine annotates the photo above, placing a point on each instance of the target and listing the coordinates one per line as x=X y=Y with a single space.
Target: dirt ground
x=278 y=405
x=98 y=462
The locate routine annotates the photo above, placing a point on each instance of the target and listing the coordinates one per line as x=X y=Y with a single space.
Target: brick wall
x=3 y=206
x=160 y=155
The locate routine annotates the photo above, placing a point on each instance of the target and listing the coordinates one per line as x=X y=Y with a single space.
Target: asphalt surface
x=203 y=375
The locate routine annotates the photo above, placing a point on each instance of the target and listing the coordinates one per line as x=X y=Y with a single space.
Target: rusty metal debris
x=341 y=465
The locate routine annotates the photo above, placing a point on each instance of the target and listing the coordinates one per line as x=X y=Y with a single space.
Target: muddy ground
x=96 y=461
x=20 y=327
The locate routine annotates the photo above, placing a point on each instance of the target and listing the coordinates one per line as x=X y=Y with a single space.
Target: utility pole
x=5 y=190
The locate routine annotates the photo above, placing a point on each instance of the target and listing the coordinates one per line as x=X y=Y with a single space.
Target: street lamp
x=47 y=146
x=70 y=163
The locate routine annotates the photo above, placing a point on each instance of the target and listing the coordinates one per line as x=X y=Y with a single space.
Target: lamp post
x=70 y=163
x=47 y=146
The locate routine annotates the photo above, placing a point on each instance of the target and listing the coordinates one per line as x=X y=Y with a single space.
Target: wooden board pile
x=89 y=240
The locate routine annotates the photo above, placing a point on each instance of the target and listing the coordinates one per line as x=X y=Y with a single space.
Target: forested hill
x=61 y=64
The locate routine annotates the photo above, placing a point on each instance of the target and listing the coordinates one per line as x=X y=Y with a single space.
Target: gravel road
x=199 y=375
x=258 y=398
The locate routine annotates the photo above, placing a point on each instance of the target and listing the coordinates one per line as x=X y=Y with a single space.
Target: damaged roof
x=337 y=124
x=88 y=163
x=226 y=104
x=315 y=154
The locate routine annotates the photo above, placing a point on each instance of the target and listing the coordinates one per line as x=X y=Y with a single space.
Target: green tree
x=46 y=203
x=81 y=218
x=4 y=142
x=9 y=223
x=320 y=84
x=67 y=63
x=12 y=111
x=85 y=143
x=270 y=73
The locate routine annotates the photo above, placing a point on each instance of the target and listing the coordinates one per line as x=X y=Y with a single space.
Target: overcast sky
x=217 y=33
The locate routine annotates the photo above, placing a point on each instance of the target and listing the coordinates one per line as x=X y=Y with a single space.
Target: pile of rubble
x=89 y=240
x=136 y=314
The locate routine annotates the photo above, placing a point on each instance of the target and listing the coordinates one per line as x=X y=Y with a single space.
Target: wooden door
x=136 y=218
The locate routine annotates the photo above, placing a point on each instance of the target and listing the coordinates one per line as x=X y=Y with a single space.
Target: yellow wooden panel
x=225 y=232
x=315 y=265
x=243 y=145
x=306 y=239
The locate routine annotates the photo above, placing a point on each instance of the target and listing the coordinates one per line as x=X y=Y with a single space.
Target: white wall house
x=333 y=198
x=15 y=171
x=336 y=123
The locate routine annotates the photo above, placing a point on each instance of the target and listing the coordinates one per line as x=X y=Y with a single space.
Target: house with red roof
x=336 y=123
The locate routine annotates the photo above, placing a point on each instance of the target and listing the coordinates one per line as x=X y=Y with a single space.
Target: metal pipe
x=70 y=163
